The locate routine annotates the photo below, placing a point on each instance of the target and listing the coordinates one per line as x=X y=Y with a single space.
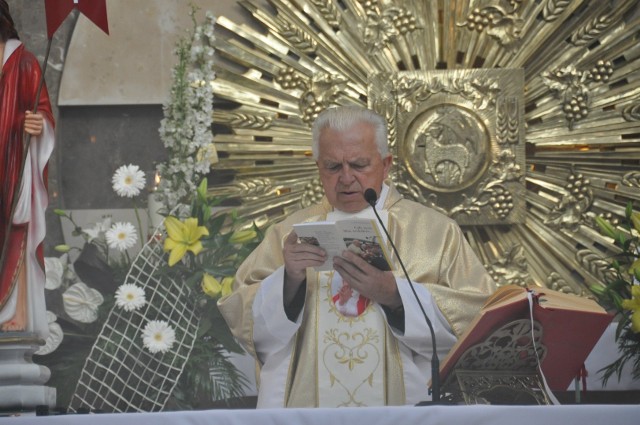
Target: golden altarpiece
x=520 y=119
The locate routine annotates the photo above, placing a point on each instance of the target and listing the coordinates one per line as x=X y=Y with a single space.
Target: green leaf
x=220 y=270
x=224 y=336
x=628 y=210
x=194 y=280
x=214 y=201
x=617 y=284
x=622 y=323
x=626 y=244
x=206 y=213
x=606 y=227
x=216 y=224
x=622 y=240
x=205 y=326
x=617 y=300
x=202 y=189
x=616 y=265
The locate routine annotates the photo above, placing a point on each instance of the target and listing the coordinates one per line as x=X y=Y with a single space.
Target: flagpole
x=41 y=82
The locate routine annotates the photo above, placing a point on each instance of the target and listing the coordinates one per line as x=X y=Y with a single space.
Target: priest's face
x=350 y=163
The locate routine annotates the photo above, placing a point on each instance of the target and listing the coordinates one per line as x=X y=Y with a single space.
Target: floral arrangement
x=81 y=284
x=204 y=248
x=621 y=292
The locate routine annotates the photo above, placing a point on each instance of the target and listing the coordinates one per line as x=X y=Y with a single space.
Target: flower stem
x=135 y=208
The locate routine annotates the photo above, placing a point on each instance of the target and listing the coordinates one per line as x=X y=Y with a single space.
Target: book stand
x=501 y=370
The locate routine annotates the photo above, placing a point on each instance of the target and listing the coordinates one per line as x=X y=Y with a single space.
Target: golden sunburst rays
x=578 y=115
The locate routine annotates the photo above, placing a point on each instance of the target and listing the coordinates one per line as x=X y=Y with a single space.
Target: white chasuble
x=315 y=360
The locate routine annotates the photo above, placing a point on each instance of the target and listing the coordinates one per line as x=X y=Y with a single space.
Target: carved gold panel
x=458 y=140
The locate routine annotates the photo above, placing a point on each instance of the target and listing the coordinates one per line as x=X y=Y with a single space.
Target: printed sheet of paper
x=361 y=235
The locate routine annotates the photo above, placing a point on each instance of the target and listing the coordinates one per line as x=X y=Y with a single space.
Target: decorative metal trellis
x=120 y=374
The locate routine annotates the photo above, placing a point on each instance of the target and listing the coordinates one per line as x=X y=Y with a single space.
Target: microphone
x=371 y=197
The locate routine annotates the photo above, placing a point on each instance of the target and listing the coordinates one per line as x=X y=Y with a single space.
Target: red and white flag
x=58 y=10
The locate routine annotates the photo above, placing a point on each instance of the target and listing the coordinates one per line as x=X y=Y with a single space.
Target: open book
x=359 y=235
x=571 y=326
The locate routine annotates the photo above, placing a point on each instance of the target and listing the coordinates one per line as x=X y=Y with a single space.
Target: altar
x=525 y=159
x=407 y=415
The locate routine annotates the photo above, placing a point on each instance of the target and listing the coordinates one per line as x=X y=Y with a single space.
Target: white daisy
x=158 y=336
x=121 y=236
x=130 y=297
x=128 y=180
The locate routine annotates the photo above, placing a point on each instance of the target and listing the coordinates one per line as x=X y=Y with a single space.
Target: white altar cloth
x=432 y=415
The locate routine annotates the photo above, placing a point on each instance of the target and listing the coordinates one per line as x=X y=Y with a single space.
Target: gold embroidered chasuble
x=435 y=254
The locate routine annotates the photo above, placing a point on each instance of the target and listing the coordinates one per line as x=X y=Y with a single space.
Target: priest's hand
x=373 y=283
x=33 y=123
x=297 y=257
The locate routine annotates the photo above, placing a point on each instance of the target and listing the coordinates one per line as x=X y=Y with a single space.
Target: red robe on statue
x=23 y=229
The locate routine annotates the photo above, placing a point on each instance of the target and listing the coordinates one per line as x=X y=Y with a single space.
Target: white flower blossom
x=55 y=337
x=130 y=297
x=98 y=229
x=186 y=127
x=158 y=336
x=121 y=236
x=81 y=302
x=54 y=271
x=128 y=180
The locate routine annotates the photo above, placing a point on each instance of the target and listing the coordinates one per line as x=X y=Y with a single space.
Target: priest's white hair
x=342 y=118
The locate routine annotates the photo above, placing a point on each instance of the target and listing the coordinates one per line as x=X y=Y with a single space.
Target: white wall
x=132 y=65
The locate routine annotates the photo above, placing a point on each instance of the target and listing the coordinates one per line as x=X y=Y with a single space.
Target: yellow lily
x=243 y=236
x=634 y=305
x=182 y=237
x=211 y=286
x=230 y=258
x=227 y=285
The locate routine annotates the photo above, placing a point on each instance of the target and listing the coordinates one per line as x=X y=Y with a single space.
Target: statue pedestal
x=22 y=381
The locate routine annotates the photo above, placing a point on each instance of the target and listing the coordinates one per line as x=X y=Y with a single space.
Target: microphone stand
x=371 y=197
